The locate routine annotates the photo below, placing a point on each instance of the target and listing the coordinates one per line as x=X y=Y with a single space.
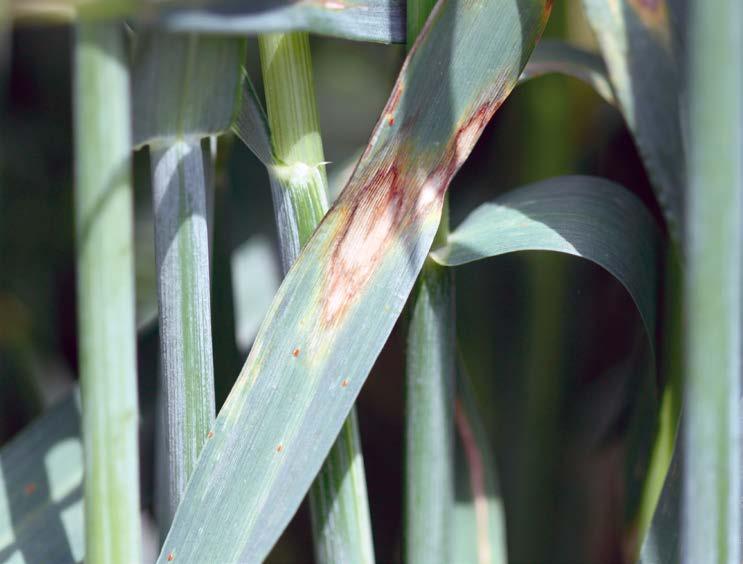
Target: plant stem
x=711 y=521
x=182 y=259
x=105 y=290
x=429 y=398
x=338 y=498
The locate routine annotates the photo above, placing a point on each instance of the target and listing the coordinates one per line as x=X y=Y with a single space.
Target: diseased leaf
x=553 y=56
x=641 y=48
x=340 y=300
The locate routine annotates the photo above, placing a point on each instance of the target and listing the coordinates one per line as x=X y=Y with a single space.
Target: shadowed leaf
x=340 y=300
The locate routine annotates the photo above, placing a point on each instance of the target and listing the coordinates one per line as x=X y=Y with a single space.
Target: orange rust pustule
x=29 y=488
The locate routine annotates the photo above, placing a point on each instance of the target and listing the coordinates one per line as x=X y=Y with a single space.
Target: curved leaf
x=641 y=50
x=578 y=215
x=554 y=56
x=341 y=298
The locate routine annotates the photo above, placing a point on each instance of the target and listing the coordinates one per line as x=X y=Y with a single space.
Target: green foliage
x=553 y=420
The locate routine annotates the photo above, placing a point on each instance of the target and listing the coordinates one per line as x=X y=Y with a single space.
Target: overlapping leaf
x=553 y=56
x=640 y=44
x=380 y=21
x=578 y=215
x=339 y=302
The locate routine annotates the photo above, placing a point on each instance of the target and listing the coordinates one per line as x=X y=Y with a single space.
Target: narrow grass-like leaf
x=338 y=500
x=479 y=521
x=429 y=417
x=41 y=483
x=662 y=543
x=341 y=298
x=640 y=45
x=182 y=258
x=429 y=392
x=185 y=85
x=711 y=526
x=577 y=215
x=381 y=21
x=554 y=56
x=105 y=290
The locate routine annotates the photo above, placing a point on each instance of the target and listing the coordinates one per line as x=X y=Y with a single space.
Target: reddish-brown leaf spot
x=210 y=434
x=279 y=448
x=345 y=383
x=295 y=353
x=29 y=488
x=390 y=119
x=171 y=556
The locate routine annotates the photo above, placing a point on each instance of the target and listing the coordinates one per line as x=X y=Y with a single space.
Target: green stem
x=338 y=498
x=711 y=521
x=106 y=308
x=429 y=398
x=182 y=259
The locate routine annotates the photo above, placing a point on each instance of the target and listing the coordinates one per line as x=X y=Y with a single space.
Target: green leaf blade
x=581 y=216
x=339 y=302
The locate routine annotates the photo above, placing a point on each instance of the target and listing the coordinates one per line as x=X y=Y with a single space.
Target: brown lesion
x=396 y=197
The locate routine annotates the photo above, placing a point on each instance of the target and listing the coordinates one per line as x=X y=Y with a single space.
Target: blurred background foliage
x=552 y=342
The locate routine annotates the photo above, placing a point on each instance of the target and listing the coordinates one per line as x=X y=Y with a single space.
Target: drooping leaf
x=479 y=521
x=577 y=215
x=381 y=21
x=641 y=48
x=340 y=300
x=601 y=222
x=554 y=56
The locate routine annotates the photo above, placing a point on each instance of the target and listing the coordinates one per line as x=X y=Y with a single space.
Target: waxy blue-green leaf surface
x=340 y=300
x=579 y=215
x=641 y=47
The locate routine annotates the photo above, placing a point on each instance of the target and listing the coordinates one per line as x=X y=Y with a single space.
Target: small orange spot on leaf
x=210 y=434
x=345 y=383
x=390 y=119
x=29 y=488
x=279 y=448
x=295 y=353
x=171 y=556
